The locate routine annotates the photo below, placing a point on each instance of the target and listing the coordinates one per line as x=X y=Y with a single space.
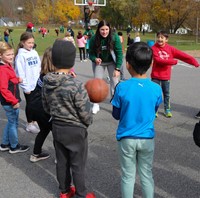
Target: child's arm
x=20 y=71
x=116 y=113
x=83 y=106
x=185 y=57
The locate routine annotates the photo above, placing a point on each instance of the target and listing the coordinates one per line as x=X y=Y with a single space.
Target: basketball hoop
x=91 y=5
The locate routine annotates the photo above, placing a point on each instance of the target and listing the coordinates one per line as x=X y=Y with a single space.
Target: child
x=164 y=57
x=136 y=114
x=28 y=66
x=42 y=118
x=88 y=37
x=68 y=37
x=10 y=98
x=137 y=37
x=67 y=101
x=120 y=34
x=81 y=41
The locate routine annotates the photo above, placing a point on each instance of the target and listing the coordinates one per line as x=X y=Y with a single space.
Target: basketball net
x=91 y=5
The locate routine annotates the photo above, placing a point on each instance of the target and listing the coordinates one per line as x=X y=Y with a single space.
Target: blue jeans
x=165 y=85
x=136 y=153
x=10 y=133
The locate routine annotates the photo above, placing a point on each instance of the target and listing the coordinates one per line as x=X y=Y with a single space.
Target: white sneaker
x=32 y=128
x=36 y=125
x=95 y=108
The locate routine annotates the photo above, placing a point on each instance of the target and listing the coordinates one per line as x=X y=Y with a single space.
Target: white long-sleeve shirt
x=28 y=67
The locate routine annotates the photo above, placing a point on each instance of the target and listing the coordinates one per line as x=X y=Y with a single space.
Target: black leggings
x=82 y=50
x=45 y=126
x=28 y=110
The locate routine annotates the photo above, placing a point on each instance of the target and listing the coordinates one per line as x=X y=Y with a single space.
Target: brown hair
x=46 y=64
x=24 y=37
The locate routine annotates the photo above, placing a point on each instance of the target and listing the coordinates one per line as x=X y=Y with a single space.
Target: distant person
x=128 y=30
x=57 y=32
x=29 y=27
x=10 y=99
x=106 y=54
x=66 y=100
x=120 y=34
x=6 y=35
x=81 y=42
x=164 y=57
x=68 y=37
x=137 y=37
x=28 y=67
x=87 y=46
x=69 y=29
x=129 y=40
x=88 y=31
x=135 y=103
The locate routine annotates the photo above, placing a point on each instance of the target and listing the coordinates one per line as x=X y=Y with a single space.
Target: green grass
x=42 y=44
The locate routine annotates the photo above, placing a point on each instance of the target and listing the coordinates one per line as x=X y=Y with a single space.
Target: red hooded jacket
x=9 y=90
x=165 y=57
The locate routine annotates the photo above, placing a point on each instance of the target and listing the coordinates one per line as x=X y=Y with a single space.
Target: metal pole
x=197 y=33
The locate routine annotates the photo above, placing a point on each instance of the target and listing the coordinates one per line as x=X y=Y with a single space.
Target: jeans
x=165 y=85
x=10 y=133
x=136 y=153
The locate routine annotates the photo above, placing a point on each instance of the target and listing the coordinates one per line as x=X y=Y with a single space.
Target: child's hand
x=20 y=80
x=98 y=61
x=16 y=106
x=73 y=74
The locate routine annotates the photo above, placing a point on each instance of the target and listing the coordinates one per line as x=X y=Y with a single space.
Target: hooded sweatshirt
x=165 y=57
x=9 y=90
x=66 y=100
x=28 y=66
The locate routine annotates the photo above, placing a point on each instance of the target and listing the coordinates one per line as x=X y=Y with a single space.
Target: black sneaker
x=19 y=149
x=41 y=156
x=4 y=147
x=198 y=115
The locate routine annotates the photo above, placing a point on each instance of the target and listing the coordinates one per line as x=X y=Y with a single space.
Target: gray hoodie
x=66 y=99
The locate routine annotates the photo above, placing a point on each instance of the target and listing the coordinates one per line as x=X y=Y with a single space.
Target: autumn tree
x=167 y=14
x=64 y=10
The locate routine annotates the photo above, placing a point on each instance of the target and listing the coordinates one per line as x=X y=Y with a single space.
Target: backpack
x=196 y=134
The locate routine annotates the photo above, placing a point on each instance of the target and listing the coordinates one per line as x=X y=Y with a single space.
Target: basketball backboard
x=95 y=2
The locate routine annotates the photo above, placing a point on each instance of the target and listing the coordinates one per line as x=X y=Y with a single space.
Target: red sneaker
x=72 y=191
x=90 y=195
x=70 y=194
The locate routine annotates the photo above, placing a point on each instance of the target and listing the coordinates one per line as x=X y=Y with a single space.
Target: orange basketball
x=97 y=90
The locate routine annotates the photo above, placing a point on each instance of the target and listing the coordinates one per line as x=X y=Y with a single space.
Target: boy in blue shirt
x=135 y=103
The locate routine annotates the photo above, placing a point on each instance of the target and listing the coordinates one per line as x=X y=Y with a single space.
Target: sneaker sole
x=18 y=151
x=34 y=159
x=4 y=149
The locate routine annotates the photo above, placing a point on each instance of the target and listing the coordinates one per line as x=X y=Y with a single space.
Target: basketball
x=97 y=90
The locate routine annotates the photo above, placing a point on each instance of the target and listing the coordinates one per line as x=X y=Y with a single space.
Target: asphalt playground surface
x=176 y=162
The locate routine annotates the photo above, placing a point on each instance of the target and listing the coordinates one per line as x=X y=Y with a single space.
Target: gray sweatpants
x=99 y=71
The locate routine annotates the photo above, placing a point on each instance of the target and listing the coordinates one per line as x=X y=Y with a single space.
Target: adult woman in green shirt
x=105 y=51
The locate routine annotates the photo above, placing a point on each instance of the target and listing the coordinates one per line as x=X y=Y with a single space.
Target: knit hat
x=63 y=54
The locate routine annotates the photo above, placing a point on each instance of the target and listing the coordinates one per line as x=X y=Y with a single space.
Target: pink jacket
x=81 y=42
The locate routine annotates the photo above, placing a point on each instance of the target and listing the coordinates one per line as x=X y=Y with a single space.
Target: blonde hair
x=46 y=64
x=67 y=34
x=4 y=47
x=137 y=34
